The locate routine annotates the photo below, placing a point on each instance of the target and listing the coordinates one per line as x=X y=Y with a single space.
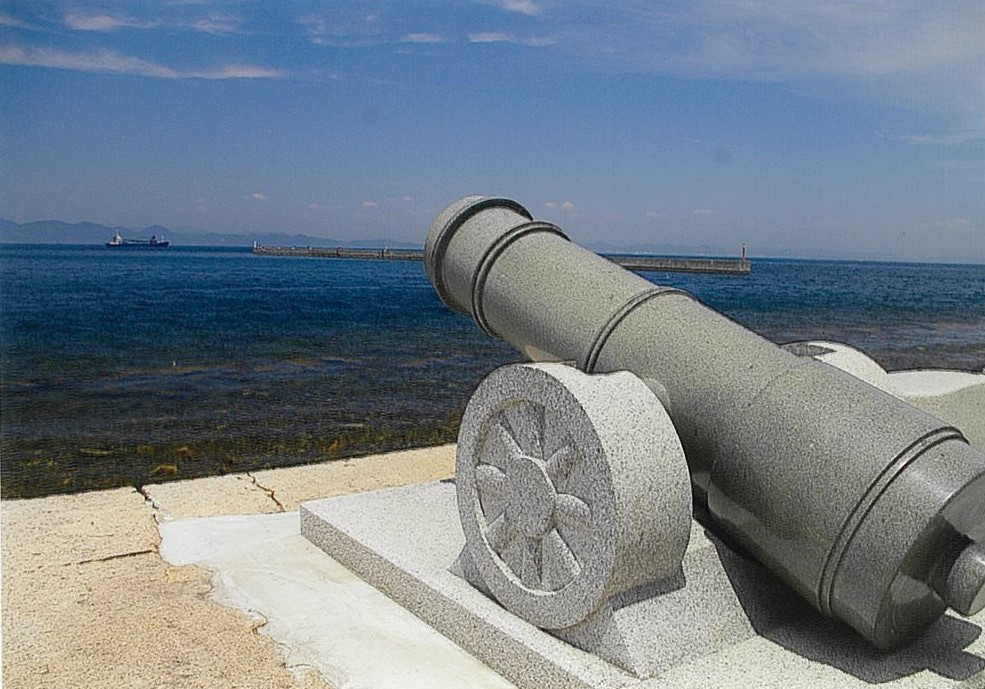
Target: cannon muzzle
x=872 y=510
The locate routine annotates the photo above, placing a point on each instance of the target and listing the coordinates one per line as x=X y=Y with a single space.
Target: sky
x=813 y=129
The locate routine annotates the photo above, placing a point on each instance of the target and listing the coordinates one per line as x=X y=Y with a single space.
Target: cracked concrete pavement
x=88 y=601
x=282 y=490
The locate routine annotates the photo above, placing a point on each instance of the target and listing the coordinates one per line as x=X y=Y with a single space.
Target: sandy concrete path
x=88 y=601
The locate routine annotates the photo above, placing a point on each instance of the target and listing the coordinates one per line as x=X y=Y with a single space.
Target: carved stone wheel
x=571 y=488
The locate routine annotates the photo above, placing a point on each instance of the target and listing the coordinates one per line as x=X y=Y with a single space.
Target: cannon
x=868 y=508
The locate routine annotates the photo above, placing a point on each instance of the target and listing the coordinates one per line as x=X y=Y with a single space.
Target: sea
x=131 y=367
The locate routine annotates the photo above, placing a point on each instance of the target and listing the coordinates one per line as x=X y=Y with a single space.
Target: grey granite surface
x=859 y=501
x=731 y=624
x=571 y=503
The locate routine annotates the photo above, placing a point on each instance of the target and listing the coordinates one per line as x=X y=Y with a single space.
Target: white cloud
x=920 y=54
x=215 y=23
x=422 y=38
x=344 y=28
x=501 y=37
x=236 y=72
x=958 y=138
x=408 y=199
x=315 y=27
x=102 y=61
x=13 y=22
x=790 y=38
x=109 y=62
x=104 y=22
x=564 y=205
x=655 y=216
x=259 y=196
x=704 y=211
x=370 y=204
x=491 y=37
x=218 y=24
x=314 y=206
x=955 y=224
x=527 y=7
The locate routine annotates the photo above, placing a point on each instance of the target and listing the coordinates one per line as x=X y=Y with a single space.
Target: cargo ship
x=153 y=242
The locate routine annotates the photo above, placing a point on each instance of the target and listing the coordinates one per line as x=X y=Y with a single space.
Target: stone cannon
x=870 y=509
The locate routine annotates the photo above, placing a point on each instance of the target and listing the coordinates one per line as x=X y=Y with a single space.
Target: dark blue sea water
x=128 y=367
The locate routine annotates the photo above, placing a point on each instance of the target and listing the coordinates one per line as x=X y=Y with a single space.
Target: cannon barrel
x=871 y=509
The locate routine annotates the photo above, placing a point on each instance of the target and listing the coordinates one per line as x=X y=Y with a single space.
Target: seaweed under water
x=123 y=370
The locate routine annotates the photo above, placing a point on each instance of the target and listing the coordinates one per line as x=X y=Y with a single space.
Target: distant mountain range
x=57 y=232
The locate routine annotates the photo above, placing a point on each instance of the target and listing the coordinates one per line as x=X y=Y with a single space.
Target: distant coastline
x=376 y=245
x=85 y=233
x=90 y=233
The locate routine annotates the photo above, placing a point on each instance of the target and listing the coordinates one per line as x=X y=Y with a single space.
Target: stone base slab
x=731 y=616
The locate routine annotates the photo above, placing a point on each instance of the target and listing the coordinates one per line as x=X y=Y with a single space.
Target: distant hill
x=57 y=232
x=733 y=251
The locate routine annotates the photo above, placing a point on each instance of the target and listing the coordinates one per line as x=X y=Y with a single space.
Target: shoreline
x=34 y=468
x=70 y=468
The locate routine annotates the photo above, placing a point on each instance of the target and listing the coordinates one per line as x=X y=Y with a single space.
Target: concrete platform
x=88 y=602
x=323 y=617
x=733 y=617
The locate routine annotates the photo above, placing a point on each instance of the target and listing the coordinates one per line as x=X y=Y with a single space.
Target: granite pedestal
x=729 y=616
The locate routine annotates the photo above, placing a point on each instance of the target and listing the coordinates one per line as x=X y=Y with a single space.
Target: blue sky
x=814 y=129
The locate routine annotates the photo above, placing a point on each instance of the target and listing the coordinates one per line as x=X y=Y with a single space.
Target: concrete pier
x=658 y=264
x=639 y=263
x=322 y=252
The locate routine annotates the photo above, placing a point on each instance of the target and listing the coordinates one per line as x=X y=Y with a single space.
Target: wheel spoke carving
x=573 y=512
x=555 y=433
x=491 y=483
x=490 y=479
x=561 y=462
x=578 y=479
x=533 y=550
x=558 y=562
x=545 y=524
x=513 y=554
x=574 y=525
x=499 y=447
x=530 y=569
x=526 y=421
x=500 y=534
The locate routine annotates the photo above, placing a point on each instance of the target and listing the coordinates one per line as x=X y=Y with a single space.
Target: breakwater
x=321 y=252
x=657 y=264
